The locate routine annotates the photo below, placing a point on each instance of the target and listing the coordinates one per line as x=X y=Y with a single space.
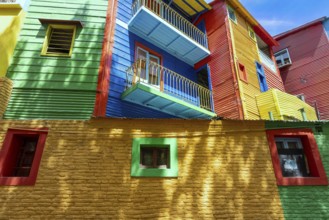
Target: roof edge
x=299 y=28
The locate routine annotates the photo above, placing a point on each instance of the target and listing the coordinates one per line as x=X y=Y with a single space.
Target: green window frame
x=138 y=171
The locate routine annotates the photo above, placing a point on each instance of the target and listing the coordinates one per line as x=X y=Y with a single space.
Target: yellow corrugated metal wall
x=246 y=52
x=283 y=106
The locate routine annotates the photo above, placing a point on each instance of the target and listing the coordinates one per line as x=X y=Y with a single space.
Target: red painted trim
x=103 y=83
x=242 y=73
x=201 y=63
x=9 y=143
x=311 y=152
x=138 y=44
x=265 y=36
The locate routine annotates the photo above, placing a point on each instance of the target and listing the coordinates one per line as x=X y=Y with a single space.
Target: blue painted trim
x=261 y=77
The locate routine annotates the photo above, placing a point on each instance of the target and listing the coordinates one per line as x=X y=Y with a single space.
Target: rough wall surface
x=309 y=72
x=57 y=87
x=307 y=202
x=5 y=91
x=225 y=172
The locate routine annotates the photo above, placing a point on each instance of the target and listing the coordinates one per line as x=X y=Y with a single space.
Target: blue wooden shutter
x=261 y=77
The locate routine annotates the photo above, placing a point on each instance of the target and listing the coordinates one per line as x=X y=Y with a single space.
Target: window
x=251 y=33
x=154 y=157
x=59 y=40
x=295 y=157
x=283 y=58
x=231 y=14
x=21 y=155
x=149 y=64
x=243 y=73
x=261 y=77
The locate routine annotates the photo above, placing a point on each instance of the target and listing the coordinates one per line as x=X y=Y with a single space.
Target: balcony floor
x=154 y=29
x=152 y=98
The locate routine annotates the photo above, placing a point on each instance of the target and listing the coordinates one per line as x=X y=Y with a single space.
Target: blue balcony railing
x=172 y=17
x=169 y=82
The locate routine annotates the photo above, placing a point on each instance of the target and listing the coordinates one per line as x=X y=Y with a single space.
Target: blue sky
x=277 y=16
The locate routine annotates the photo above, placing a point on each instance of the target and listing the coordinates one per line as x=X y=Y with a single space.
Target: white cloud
x=275 y=22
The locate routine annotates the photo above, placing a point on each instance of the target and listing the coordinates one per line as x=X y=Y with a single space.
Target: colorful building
x=303 y=58
x=189 y=66
x=96 y=123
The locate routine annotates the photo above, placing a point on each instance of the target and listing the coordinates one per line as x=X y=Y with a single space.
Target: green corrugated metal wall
x=57 y=87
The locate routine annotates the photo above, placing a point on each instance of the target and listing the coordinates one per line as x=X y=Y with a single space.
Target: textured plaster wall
x=225 y=172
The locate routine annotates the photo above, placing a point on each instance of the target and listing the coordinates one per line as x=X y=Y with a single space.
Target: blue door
x=261 y=77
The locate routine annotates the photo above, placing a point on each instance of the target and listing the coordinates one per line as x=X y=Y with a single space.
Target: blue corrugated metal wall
x=123 y=57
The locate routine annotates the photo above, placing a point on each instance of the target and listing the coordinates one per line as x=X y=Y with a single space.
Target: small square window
x=252 y=33
x=231 y=14
x=59 y=40
x=21 y=155
x=283 y=58
x=154 y=157
x=296 y=158
x=243 y=73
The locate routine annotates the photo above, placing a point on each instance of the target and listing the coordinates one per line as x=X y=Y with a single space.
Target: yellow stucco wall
x=9 y=31
x=246 y=52
x=6 y=86
x=225 y=172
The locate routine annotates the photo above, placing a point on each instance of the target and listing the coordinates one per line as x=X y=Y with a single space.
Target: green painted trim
x=136 y=171
x=166 y=96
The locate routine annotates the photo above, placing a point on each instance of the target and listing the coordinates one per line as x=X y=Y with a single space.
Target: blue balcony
x=11 y=5
x=159 y=24
x=159 y=88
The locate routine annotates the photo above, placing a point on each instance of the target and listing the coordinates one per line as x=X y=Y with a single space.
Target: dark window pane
x=147 y=157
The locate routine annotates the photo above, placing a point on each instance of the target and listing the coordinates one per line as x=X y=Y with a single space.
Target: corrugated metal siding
x=309 y=72
x=274 y=80
x=5 y=91
x=246 y=52
x=55 y=87
x=123 y=57
x=226 y=102
x=283 y=106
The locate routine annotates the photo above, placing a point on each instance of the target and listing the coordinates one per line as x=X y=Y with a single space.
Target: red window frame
x=7 y=155
x=311 y=151
x=138 y=44
x=243 y=72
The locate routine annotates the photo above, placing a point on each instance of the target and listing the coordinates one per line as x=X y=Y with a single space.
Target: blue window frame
x=261 y=77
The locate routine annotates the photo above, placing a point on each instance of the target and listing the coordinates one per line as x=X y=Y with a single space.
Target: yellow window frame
x=47 y=38
x=252 y=33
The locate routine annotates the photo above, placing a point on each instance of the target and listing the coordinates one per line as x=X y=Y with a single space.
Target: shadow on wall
x=309 y=202
x=56 y=84
x=225 y=171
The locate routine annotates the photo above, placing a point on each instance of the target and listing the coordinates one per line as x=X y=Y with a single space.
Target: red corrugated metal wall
x=273 y=79
x=309 y=72
x=224 y=91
